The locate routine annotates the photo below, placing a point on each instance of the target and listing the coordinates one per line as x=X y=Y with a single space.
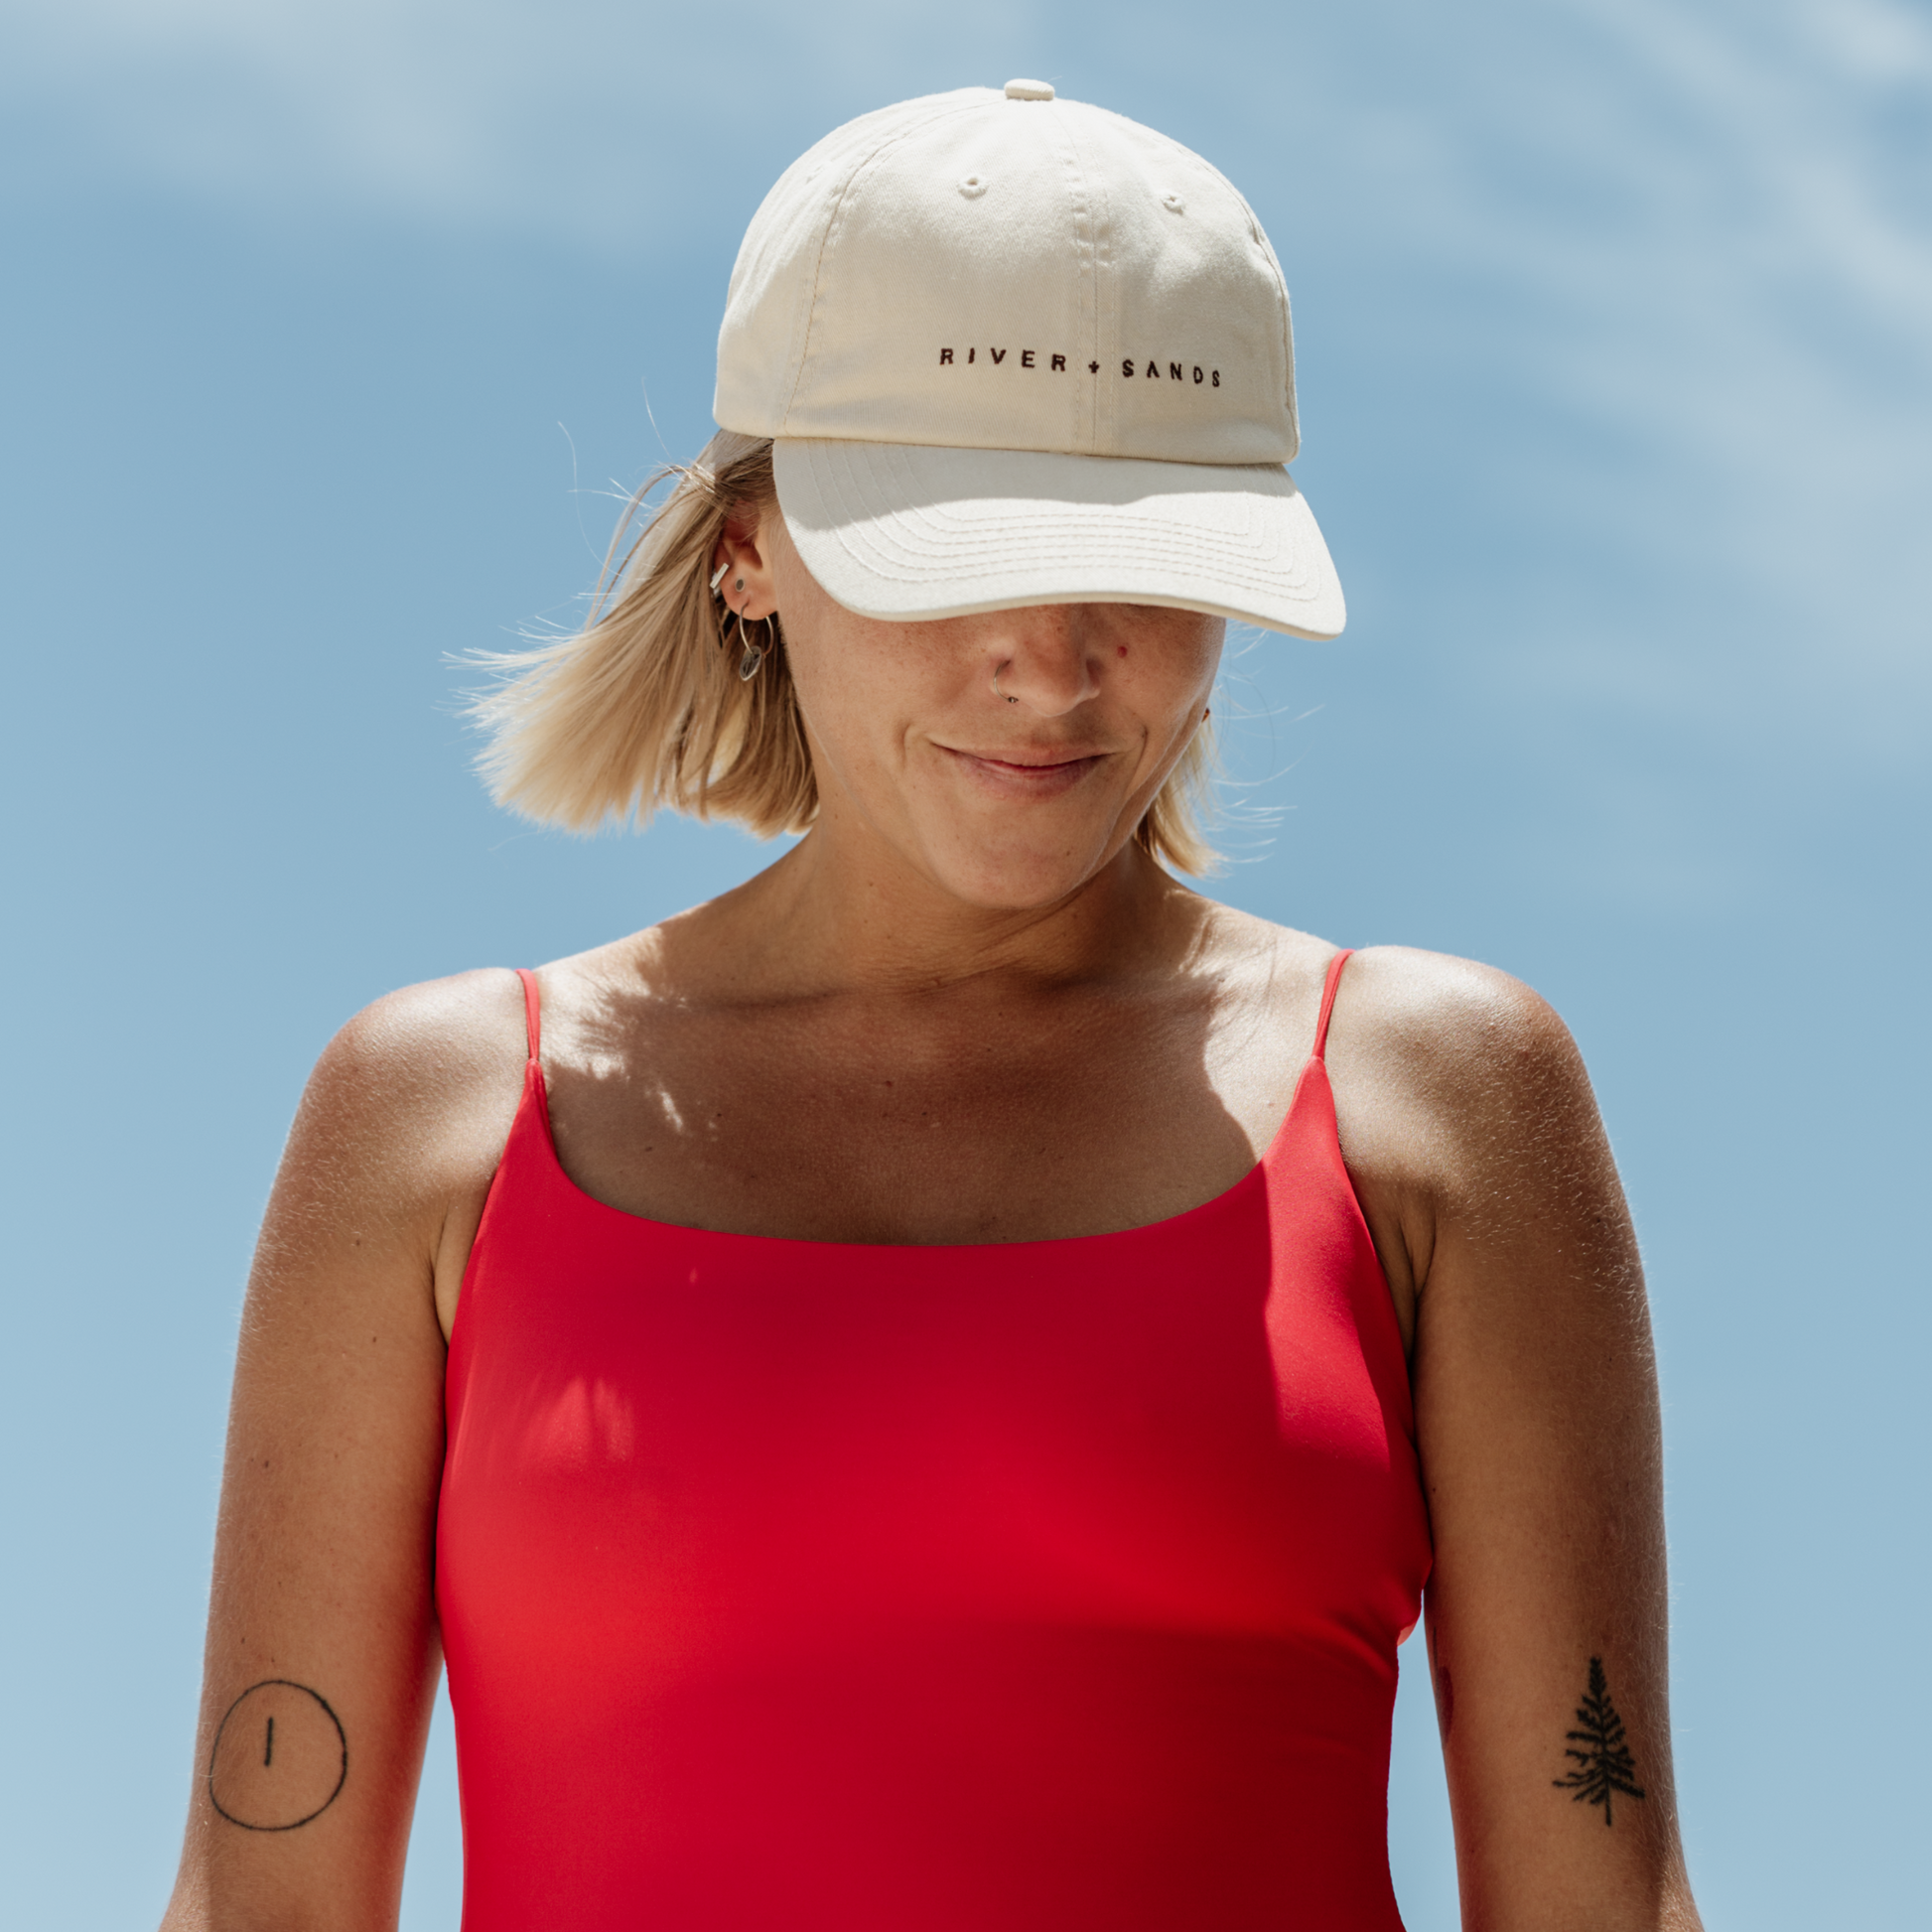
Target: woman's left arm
x=1493 y=1197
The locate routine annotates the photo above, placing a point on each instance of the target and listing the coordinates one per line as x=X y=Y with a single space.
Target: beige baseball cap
x=1014 y=350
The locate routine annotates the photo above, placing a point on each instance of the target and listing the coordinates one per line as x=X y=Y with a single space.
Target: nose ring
x=997 y=692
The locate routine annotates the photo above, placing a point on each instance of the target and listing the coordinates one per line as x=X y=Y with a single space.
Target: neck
x=814 y=923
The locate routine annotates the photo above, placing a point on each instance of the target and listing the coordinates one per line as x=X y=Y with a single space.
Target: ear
x=746 y=585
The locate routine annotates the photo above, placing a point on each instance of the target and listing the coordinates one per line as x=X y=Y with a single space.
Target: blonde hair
x=643 y=706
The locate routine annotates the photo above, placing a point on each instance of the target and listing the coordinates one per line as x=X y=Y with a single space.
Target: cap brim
x=909 y=532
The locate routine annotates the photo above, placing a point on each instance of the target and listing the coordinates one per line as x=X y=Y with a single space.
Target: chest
x=879 y=1543
x=904 y=1122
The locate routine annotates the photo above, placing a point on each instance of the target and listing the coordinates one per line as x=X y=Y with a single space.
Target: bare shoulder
x=436 y=1046
x=1442 y=1017
x=406 y=1113
x=1462 y=1102
x=1452 y=1028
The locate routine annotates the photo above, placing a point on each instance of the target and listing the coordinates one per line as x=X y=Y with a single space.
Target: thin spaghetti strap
x=1329 y=986
x=533 y=1011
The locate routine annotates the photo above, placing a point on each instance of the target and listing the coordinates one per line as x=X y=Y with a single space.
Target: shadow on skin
x=989 y=1110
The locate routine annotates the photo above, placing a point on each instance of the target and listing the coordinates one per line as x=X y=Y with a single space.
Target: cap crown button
x=1030 y=90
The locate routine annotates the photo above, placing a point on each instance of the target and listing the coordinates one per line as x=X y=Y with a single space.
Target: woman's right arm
x=321 y=1653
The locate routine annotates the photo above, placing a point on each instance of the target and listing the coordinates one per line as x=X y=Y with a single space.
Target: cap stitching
x=1086 y=227
x=1282 y=588
x=1267 y=247
x=867 y=162
x=1106 y=319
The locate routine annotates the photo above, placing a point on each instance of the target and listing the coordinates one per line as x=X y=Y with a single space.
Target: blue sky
x=327 y=324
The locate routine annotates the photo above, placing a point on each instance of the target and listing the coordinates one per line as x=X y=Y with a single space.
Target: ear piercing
x=753 y=654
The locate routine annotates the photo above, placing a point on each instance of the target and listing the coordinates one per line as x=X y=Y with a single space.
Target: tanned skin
x=965 y=1008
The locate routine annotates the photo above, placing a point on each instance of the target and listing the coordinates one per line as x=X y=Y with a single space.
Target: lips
x=1022 y=773
x=1031 y=765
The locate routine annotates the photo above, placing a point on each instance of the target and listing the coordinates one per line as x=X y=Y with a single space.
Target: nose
x=1040 y=659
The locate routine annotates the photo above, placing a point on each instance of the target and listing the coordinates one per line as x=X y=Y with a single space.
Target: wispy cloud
x=581 y=118
x=1678 y=260
x=1655 y=276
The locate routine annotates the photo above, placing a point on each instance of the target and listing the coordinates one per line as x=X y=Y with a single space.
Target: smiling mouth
x=1039 y=773
x=1031 y=765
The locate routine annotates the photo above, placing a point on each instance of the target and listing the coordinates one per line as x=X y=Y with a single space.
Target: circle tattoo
x=280 y=1757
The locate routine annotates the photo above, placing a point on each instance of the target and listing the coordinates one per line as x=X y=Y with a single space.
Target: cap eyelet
x=973 y=187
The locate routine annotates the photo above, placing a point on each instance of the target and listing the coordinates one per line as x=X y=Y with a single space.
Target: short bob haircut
x=644 y=708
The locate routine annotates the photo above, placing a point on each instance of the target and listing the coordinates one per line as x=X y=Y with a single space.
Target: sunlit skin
x=966 y=1007
x=954 y=797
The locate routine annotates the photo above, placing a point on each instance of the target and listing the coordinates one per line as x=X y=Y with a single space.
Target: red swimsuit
x=1044 y=1587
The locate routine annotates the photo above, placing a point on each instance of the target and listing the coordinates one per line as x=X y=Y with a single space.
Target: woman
x=961 y=1354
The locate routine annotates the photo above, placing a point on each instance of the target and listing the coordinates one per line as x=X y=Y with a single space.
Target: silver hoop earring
x=753 y=654
x=997 y=692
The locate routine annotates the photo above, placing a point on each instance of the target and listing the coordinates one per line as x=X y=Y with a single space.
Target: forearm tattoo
x=280 y=1757
x=1604 y=1766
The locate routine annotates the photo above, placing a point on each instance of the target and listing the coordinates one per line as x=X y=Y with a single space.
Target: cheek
x=859 y=690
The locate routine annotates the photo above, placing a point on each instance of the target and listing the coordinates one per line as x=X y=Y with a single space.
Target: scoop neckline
x=535 y=1084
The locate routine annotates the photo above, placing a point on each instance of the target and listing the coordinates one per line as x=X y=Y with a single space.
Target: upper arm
x=1484 y=1160
x=321 y=1620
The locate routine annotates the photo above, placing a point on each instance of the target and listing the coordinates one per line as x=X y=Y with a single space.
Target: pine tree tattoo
x=1603 y=1761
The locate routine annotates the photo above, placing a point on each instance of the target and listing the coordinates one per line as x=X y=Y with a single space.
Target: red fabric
x=1046 y=1585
